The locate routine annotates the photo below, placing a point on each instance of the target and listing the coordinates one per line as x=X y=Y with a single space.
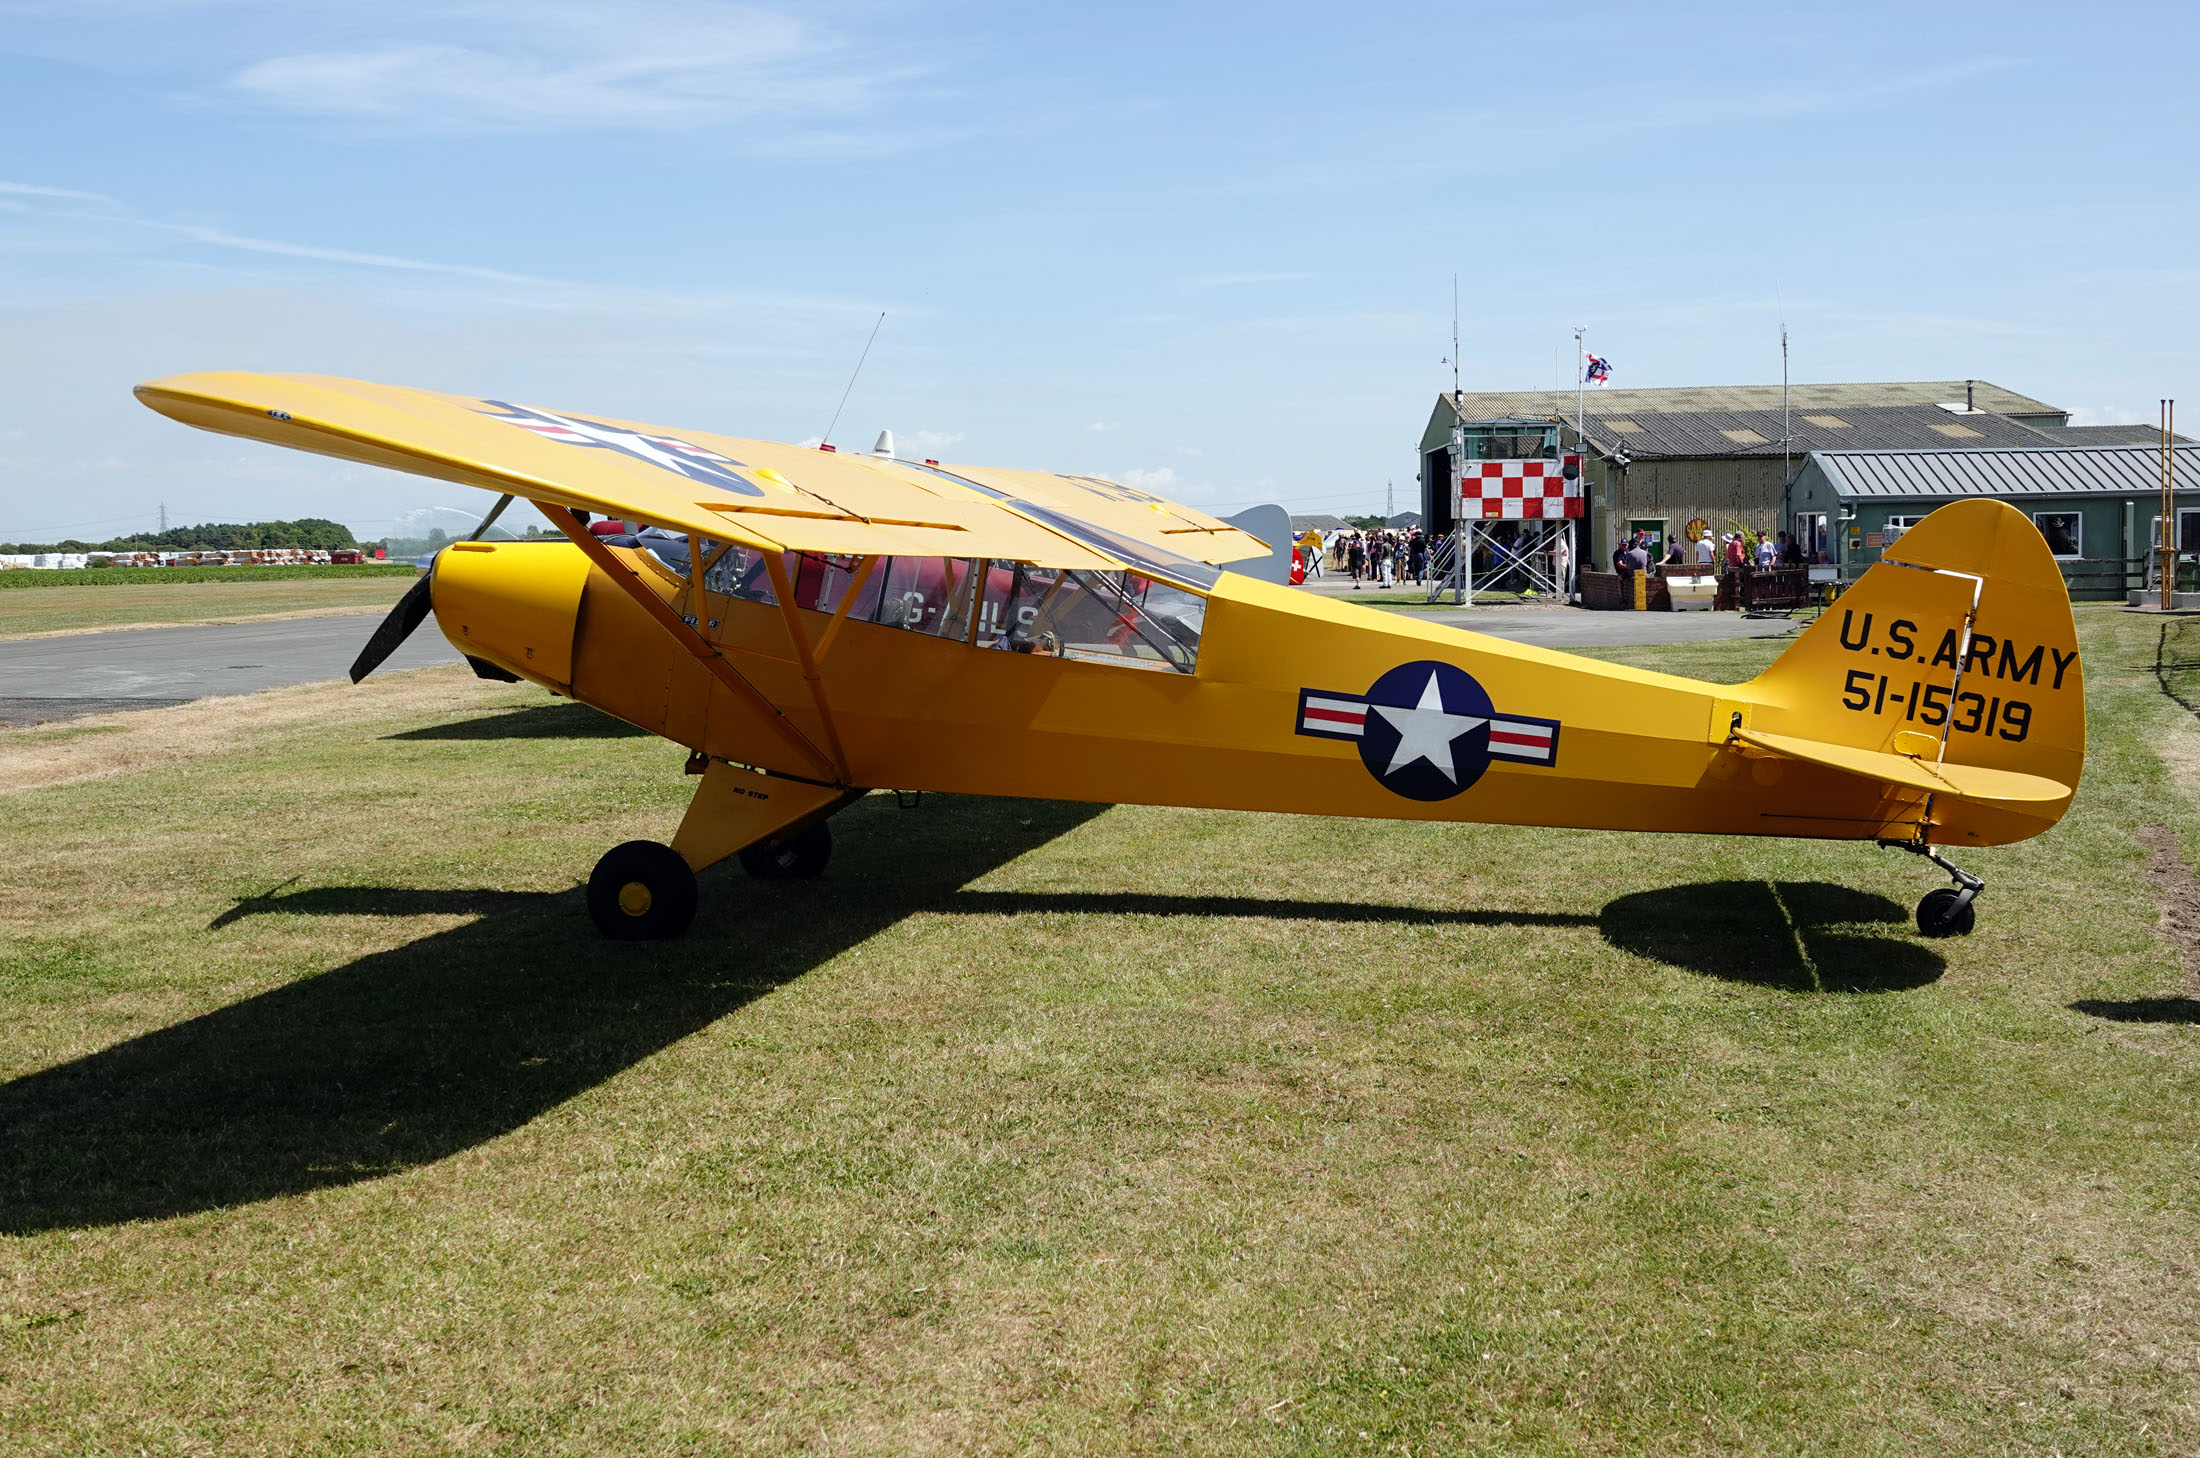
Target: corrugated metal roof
x=2072 y=471
x=1486 y=404
x=1649 y=436
x=2113 y=435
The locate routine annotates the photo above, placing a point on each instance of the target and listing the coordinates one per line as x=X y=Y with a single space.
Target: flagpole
x=1581 y=431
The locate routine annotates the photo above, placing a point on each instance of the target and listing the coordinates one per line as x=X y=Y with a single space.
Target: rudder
x=1957 y=647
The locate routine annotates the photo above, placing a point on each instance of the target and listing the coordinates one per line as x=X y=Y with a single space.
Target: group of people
x=1710 y=552
x=1381 y=558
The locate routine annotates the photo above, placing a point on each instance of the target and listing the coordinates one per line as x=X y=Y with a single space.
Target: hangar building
x=1722 y=456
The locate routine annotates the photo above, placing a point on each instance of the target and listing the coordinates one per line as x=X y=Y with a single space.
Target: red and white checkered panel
x=1520 y=490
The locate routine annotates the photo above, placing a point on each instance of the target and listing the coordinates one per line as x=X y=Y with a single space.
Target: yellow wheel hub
x=634 y=898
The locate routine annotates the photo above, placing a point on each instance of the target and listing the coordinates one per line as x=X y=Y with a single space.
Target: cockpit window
x=926 y=595
x=1119 y=618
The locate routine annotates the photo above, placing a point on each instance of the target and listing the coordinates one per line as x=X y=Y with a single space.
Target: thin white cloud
x=66 y=194
x=1158 y=480
x=547 y=65
x=534 y=291
x=222 y=238
x=1099 y=426
x=2110 y=415
x=1240 y=280
x=937 y=440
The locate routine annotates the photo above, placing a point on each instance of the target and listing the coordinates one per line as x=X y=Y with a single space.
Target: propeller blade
x=412 y=609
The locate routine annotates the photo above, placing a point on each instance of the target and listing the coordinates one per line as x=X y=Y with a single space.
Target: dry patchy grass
x=331 y=1128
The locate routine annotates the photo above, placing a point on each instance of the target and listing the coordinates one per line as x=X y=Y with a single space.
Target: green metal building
x=2098 y=506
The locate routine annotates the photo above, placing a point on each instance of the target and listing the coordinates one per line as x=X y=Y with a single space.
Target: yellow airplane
x=812 y=625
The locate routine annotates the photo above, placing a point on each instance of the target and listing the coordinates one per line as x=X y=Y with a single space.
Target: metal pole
x=1787 y=432
x=2169 y=516
x=1581 y=425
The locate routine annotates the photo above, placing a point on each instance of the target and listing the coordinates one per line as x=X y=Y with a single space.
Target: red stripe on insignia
x=1339 y=716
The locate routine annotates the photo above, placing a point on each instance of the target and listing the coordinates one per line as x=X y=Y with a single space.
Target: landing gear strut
x=796 y=858
x=1949 y=911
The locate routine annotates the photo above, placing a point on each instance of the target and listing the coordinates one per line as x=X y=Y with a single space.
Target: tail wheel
x=641 y=891
x=1934 y=918
x=796 y=859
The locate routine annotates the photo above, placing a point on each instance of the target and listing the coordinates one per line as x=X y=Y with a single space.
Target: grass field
x=31 y=579
x=29 y=610
x=328 y=1126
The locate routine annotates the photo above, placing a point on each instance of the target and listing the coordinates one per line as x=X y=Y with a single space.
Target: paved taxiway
x=95 y=673
x=98 y=673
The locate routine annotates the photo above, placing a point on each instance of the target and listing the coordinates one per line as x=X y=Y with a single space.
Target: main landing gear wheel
x=796 y=859
x=641 y=891
x=1946 y=913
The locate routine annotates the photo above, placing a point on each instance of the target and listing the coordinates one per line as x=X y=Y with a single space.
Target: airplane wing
x=758 y=493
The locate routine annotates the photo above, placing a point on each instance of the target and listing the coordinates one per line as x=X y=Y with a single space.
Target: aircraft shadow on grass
x=408 y=1055
x=2183 y=1010
x=1803 y=936
x=540 y=721
x=411 y=1054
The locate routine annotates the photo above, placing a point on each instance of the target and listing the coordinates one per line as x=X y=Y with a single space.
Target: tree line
x=213 y=536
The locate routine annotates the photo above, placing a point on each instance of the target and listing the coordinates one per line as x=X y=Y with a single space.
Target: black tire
x=640 y=892
x=1933 y=919
x=798 y=859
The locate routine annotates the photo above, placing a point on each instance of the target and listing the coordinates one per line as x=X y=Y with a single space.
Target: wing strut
x=626 y=580
x=783 y=589
x=864 y=567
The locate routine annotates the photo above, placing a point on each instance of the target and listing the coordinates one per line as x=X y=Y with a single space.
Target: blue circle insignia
x=1428 y=730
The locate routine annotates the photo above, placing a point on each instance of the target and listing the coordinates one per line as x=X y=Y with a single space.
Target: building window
x=2062 y=530
x=1896 y=526
x=1810 y=535
x=1524 y=442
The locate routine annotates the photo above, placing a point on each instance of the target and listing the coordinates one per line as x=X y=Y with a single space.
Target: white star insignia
x=1426 y=731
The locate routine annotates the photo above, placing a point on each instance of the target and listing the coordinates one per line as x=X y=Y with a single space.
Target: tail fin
x=1957 y=650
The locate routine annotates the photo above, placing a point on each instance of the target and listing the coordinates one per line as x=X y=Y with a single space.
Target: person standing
x=1356 y=558
x=1706 y=549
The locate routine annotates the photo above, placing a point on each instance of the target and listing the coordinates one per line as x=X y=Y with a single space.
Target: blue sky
x=1204 y=248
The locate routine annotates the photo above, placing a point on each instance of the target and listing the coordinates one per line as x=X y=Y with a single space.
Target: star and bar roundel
x=1426 y=730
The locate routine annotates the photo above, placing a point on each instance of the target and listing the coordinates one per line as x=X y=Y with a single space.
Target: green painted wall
x=2114 y=524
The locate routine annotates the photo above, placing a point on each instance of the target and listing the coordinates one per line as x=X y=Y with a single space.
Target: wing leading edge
x=759 y=493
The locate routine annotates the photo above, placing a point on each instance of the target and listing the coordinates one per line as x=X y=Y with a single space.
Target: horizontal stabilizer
x=1970 y=781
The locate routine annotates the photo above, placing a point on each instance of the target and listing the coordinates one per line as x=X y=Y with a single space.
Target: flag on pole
x=1599 y=372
